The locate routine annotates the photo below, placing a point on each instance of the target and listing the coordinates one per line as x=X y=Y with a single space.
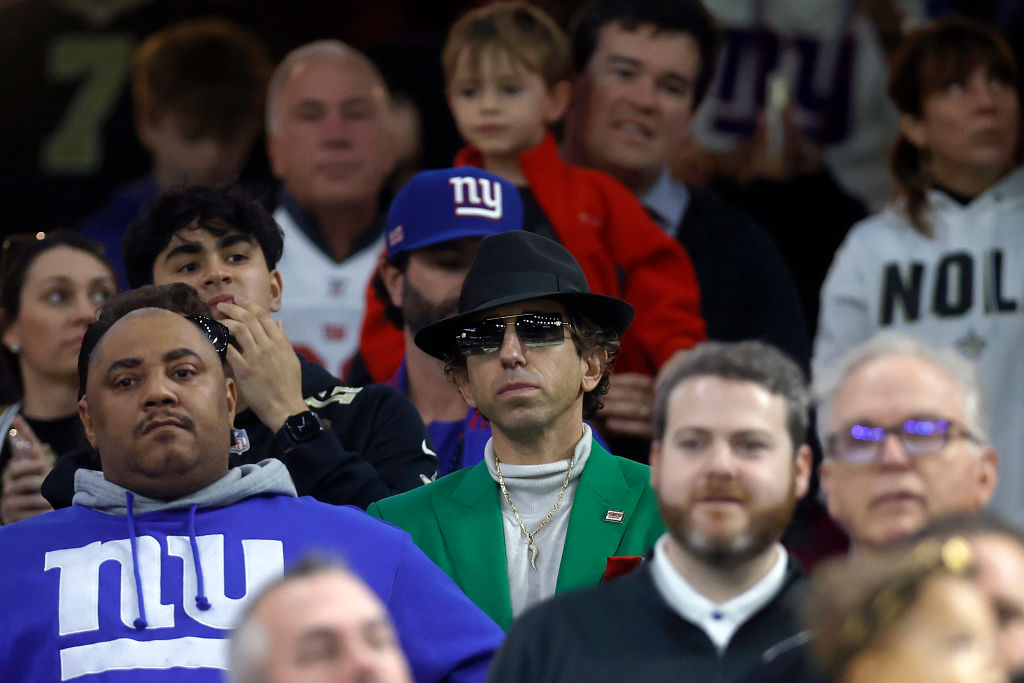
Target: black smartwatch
x=299 y=428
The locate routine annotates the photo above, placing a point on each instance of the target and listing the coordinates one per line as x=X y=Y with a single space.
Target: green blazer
x=456 y=521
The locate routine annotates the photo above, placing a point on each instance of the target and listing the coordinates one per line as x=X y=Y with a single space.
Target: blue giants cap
x=449 y=204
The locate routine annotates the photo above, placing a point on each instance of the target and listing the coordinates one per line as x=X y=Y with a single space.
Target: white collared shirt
x=719 y=621
x=666 y=201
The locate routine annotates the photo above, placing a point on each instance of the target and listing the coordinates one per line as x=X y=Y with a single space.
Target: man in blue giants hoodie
x=143 y=577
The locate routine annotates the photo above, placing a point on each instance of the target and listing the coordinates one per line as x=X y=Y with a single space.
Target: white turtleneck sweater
x=534 y=490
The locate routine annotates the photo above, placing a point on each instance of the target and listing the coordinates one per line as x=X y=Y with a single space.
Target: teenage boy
x=341 y=445
x=197 y=89
x=507 y=69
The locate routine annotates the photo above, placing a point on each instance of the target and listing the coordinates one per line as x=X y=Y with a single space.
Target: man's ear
x=276 y=289
x=145 y=126
x=559 y=96
x=232 y=395
x=393 y=279
x=654 y=460
x=802 y=464
x=827 y=478
x=461 y=377
x=593 y=368
x=988 y=476
x=86 y=419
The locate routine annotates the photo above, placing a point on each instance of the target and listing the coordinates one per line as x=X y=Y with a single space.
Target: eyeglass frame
x=513 y=318
x=954 y=431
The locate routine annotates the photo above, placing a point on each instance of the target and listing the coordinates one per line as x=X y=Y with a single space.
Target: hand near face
x=264 y=366
x=628 y=405
x=24 y=475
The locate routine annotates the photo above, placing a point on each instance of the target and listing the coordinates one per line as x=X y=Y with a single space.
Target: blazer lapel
x=593 y=535
x=471 y=528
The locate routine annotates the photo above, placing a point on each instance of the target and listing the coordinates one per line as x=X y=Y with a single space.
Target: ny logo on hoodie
x=143 y=606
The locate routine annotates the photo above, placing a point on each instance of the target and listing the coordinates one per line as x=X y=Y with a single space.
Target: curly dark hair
x=587 y=337
x=232 y=208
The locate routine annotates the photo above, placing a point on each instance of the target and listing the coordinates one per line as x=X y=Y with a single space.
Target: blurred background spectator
x=52 y=285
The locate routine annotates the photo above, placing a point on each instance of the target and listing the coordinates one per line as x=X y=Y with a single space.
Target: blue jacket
x=117 y=595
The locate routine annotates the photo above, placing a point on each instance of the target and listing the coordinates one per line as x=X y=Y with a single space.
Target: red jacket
x=622 y=252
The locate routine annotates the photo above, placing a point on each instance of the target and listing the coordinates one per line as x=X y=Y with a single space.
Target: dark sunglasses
x=534 y=330
x=216 y=331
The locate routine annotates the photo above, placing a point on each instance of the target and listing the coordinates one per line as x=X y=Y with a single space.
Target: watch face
x=304 y=426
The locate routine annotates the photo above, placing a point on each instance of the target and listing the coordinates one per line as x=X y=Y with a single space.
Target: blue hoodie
x=120 y=587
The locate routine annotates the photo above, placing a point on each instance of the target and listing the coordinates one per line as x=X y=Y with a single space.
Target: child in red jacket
x=507 y=68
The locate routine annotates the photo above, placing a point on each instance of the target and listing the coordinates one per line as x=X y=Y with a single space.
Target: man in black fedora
x=548 y=507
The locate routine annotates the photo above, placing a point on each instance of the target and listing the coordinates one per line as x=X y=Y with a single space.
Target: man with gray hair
x=328 y=144
x=319 y=618
x=905 y=429
x=718 y=600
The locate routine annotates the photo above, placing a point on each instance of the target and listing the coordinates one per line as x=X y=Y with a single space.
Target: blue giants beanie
x=449 y=204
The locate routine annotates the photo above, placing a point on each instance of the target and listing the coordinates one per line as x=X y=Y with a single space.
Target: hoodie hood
x=268 y=476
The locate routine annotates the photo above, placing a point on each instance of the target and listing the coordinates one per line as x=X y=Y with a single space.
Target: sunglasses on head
x=534 y=330
x=216 y=331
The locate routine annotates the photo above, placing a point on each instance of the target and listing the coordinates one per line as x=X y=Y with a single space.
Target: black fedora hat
x=519 y=266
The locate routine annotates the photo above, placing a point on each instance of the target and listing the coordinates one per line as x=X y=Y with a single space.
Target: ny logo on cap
x=477 y=197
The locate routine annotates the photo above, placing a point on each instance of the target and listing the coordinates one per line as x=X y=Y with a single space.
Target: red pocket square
x=620 y=566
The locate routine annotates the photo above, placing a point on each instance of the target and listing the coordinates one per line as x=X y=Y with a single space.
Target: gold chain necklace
x=551 y=513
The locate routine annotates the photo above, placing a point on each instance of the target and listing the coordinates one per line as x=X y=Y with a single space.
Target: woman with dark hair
x=50 y=287
x=944 y=261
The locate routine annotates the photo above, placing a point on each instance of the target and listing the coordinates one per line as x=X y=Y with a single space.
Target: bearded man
x=434 y=227
x=718 y=599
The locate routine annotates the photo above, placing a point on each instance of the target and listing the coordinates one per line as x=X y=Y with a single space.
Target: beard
x=418 y=311
x=764 y=527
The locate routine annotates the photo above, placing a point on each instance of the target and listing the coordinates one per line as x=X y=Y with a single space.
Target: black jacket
x=746 y=288
x=375 y=445
x=625 y=631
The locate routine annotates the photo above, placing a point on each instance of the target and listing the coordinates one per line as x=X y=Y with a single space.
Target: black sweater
x=625 y=631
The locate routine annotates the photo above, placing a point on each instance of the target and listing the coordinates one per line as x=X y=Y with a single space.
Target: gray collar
x=268 y=476
x=666 y=201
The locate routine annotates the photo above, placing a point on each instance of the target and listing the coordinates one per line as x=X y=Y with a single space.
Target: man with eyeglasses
x=906 y=440
x=548 y=510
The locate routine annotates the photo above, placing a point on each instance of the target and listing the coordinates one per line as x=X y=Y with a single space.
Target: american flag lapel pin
x=613 y=516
